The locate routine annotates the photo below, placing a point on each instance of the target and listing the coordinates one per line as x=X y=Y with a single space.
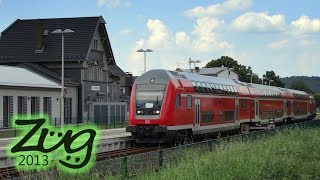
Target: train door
x=289 y=108
x=292 y=109
x=285 y=108
x=308 y=108
x=252 y=110
x=236 y=110
x=257 y=108
x=196 y=113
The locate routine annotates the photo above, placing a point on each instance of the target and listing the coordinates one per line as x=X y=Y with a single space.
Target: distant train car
x=166 y=105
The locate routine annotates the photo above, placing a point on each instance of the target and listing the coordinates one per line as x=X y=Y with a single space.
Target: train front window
x=149 y=98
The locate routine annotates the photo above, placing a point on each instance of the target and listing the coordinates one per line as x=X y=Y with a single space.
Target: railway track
x=9 y=172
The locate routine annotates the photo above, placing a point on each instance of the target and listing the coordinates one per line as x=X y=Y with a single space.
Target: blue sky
x=283 y=36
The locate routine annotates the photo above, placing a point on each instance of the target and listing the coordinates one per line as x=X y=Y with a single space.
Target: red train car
x=165 y=105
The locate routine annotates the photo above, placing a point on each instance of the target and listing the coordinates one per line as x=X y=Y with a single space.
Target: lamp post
x=145 y=56
x=59 y=31
x=270 y=82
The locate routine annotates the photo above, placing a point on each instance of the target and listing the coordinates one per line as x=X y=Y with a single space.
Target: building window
x=100 y=98
x=22 y=105
x=67 y=110
x=35 y=106
x=189 y=101
x=47 y=106
x=95 y=44
x=94 y=73
x=7 y=110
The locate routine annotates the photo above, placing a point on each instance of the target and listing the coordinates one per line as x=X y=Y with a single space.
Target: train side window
x=225 y=90
x=235 y=90
x=178 y=101
x=199 y=87
x=243 y=103
x=196 y=89
x=221 y=89
x=229 y=89
x=208 y=88
x=205 y=89
x=213 y=90
x=189 y=101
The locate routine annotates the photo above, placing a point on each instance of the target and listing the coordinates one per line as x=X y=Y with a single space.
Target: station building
x=24 y=92
x=90 y=66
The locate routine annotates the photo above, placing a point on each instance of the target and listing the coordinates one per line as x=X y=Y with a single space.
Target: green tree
x=317 y=98
x=273 y=79
x=300 y=85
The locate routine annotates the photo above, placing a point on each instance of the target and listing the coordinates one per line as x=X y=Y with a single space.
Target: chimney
x=197 y=69
x=39 y=37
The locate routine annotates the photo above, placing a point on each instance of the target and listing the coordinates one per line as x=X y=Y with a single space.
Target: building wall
x=225 y=74
x=109 y=88
x=72 y=92
x=53 y=93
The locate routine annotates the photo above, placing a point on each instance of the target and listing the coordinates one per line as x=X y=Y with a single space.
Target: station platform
x=110 y=140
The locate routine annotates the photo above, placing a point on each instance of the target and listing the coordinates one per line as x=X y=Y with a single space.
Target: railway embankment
x=286 y=152
x=289 y=154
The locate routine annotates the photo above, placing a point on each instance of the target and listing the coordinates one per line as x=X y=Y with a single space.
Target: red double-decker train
x=166 y=105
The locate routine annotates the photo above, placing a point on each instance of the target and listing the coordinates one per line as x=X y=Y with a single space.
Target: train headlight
x=139 y=112
x=157 y=112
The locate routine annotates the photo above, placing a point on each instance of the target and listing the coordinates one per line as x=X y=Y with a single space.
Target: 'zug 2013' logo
x=40 y=146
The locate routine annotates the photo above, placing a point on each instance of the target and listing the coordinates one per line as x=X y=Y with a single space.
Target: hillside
x=312 y=82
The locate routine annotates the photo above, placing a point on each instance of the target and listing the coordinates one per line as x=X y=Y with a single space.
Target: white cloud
x=125 y=32
x=206 y=39
x=218 y=9
x=259 y=22
x=114 y=3
x=159 y=35
x=305 y=25
x=278 y=44
x=182 y=39
x=158 y=39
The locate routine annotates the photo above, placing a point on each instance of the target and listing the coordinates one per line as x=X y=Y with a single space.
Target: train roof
x=162 y=76
x=207 y=79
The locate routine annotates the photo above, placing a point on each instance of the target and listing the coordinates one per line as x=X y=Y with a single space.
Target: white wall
x=53 y=93
x=225 y=74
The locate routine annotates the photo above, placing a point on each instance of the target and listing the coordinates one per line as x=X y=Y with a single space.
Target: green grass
x=294 y=155
x=290 y=154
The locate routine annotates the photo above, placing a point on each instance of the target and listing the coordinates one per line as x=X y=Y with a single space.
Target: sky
x=283 y=36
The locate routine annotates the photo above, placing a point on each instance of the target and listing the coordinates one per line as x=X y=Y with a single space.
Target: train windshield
x=149 y=95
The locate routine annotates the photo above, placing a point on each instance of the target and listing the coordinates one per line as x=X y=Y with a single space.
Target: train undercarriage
x=155 y=134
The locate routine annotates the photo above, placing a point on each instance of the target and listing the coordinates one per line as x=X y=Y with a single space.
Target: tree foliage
x=273 y=79
x=300 y=85
x=245 y=71
x=225 y=61
x=317 y=98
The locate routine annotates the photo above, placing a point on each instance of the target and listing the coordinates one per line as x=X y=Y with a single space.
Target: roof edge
x=6 y=29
